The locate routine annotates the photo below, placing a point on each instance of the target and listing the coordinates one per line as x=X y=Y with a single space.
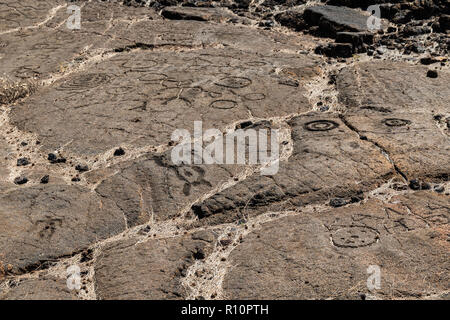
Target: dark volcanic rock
x=21 y=180
x=332 y=19
x=343 y=50
x=292 y=19
x=432 y=74
x=324 y=149
x=357 y=39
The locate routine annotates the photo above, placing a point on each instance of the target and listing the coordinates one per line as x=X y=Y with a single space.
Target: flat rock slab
x=45 y=288
x=328 y=160
x=413 y=142
x=199 y=14
x=396 y=106
x=42 y=223
x=50 y=48
x=159 y=265
x=153 y=187
x=334 y=19
x=141 y=97
x=388 y=87
x=293 y=257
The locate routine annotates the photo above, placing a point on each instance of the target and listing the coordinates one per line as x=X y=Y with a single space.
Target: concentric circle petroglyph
x=393 y=122
x=321 y=125
x=85 y=82
x=234 y=82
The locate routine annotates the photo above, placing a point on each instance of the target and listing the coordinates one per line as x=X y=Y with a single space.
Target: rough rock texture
x=35 y=219
x=47 y=288
x=334 y=19
x=293 y=257
x=159 y=264
x=328 y=161
x=88 y=182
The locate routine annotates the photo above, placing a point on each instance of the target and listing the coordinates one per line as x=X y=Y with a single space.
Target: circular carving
x=223 y=104
x=234 y=82
x=153 y=77
x=321 y=125
x=85 y=81
x=139 y=66
x=393 y=122
x=354 y=237
x=255 y=96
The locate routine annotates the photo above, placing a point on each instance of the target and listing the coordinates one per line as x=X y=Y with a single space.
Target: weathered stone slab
x=412 y=140
x=52 y=48
x=293 y=258
x=334 y=19
x=45 y=288
x=20 y=14
x=159 y=265
x=141 y=97
x=42 y=223
x=198 y=14
x=328 y=160
x=388 y=87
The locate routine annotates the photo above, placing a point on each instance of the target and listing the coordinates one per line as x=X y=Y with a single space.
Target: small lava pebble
x=439 y=189
x=425 y=186
x=119 y=152
x=414 y=184
x=20 y=180
x=225 y=242
x=23 y=162
x=54 y=159
x=337 y=202
x=76 y=179
x=45 y=179
x=432 y=74
x=82 y=168
x=51 y=157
